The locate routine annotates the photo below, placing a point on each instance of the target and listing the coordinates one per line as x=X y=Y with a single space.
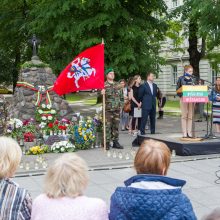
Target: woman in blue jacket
x=150 y=195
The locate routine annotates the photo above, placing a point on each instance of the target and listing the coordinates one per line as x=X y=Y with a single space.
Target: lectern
x=194 y=94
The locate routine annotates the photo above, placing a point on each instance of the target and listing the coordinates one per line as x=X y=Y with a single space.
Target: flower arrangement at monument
x=22 y=130
x=54 y=133
x=35 y=150
x=63 y=146
x=84 y=133
x=45 y=113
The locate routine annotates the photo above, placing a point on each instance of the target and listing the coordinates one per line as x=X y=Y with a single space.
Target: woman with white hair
x=15 y=202
x=64 y=185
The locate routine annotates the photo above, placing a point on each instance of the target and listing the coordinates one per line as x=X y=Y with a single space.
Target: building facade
x=175 y=61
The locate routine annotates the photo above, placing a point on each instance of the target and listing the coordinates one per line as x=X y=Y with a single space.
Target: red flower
x=62 y=127
x=56 y=122
x=29 y=137
x=50 y=125
x=26 y=122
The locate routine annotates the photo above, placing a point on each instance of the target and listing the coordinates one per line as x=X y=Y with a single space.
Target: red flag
x=85 y=72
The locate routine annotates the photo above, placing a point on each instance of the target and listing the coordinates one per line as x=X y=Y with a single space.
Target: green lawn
x=89 y=99
x=81 y=97
x=172 y=106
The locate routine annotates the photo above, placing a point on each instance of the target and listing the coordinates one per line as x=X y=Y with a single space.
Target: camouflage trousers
x=112 y=125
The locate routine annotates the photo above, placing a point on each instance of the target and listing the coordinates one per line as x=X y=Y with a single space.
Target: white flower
x=40 y=111
x=53 y=111
x=44 y=118
x=50 y=117
x=62 y=149
x=9 y=131
x=49 y=106
x=43 y=106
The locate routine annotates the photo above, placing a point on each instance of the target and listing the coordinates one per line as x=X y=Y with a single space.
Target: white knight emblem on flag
x=80 y=68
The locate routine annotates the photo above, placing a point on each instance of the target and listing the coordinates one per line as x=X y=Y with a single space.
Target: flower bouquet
x=38 y=150
x=63 y=146
x=84 y=134
x=29 y=137
x=15 y=128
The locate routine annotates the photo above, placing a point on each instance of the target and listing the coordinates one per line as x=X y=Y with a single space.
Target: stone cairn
x=24 y=100
x=34 y=88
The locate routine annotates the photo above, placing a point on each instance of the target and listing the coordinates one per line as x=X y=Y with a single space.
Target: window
x=175 y=3
x=174 y=74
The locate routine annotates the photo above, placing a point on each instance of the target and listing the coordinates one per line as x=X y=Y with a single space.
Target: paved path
x=200 y=188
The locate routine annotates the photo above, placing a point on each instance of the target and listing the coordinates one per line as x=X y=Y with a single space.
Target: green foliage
x=129 y=29
x=209 y=20
x=173 y=32
x=29 y=64
x=13 y=38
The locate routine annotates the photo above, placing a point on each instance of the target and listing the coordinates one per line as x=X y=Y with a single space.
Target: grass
x=90 y=99
x=85 y=98
x=172 y=106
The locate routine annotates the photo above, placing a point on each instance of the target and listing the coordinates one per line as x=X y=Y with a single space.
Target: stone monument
x=34 y=88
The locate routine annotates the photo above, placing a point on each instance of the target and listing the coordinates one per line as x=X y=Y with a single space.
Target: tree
x=209 y=24
x=132 y=32
x=13 y=38
x=189 y=14
x=201 y=21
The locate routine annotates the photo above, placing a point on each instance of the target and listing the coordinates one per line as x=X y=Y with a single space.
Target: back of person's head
x=153 y=157
x=67 y=176
x=214 y=215
x=10 y=157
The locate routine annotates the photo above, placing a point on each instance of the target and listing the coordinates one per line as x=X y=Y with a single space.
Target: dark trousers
x=134 y=123
x=152 y=115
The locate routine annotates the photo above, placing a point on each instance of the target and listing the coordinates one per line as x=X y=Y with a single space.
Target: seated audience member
x=15 y=202
x=150 y=195
x=214 y=215
x=64 y=185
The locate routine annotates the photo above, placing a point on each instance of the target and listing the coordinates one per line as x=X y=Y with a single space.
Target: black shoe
x=160 y=115
x=108 y=146
x=117 y=145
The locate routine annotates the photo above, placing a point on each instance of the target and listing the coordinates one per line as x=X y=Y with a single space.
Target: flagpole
x=104 y=120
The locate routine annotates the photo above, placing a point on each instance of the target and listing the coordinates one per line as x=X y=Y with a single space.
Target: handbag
x=127 y=106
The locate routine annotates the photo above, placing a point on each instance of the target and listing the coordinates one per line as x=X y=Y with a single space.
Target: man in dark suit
x=147 y=96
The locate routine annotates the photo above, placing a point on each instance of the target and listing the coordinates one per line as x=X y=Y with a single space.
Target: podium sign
x=196 y=94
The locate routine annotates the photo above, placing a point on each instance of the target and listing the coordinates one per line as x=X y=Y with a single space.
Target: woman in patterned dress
x=215 y=98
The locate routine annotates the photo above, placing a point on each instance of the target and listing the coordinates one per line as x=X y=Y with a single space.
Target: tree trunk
x=15 y=72
x=194 y=55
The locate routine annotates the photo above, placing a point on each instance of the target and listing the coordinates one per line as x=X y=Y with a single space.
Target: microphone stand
x=209 y=134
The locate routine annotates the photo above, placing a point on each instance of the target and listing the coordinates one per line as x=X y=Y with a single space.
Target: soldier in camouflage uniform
x=114 y=101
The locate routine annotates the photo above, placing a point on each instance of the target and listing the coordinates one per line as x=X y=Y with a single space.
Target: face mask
x=187 y=74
